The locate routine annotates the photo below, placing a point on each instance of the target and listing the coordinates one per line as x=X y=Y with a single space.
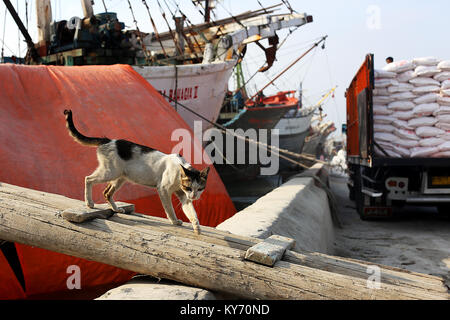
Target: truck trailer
x=379 y=184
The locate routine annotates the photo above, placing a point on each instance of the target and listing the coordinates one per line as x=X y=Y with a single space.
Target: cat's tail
x=78 y=137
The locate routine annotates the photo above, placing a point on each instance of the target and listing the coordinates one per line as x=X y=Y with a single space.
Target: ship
x=190 y=65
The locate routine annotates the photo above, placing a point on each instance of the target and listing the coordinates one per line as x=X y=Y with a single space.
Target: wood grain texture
x=213 y=260
x=269 y=251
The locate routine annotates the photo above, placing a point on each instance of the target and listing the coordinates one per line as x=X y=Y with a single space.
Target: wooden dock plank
x=212 y=260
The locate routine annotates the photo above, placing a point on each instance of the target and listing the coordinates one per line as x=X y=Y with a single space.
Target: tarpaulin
x=37 y=152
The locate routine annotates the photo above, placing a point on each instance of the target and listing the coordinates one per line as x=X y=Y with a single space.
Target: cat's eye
x=188 y=188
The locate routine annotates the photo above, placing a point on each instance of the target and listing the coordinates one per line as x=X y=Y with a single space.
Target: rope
x=147 y=56
x=154 y=28
x=266 y=146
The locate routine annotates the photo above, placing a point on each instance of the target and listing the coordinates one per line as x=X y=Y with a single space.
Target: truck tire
x=444 y=210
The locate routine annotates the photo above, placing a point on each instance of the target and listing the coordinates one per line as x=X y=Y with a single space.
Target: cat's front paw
x=120 y=210
x=90 y=204
x=197 y=230
x=177 y=222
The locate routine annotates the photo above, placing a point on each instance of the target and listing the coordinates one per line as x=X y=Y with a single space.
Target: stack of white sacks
x=411 y=108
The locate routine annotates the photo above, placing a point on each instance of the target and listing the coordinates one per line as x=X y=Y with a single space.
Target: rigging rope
x=155 y=29
x=144 y=49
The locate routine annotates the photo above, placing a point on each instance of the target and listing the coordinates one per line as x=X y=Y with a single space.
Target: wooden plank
x=101 y=211
x=148 y=248
x=269 y=251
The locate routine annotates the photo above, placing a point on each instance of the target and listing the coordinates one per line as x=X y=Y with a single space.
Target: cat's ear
x=204 y=172
x=184 y=171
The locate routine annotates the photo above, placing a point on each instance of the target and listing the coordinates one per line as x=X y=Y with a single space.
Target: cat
x=122 y=160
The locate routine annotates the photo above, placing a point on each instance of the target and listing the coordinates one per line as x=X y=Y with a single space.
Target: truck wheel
x=444 y=210
x=351 y=193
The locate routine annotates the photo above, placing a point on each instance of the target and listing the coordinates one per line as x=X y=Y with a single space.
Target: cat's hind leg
x=100 y=175
x=108 y=193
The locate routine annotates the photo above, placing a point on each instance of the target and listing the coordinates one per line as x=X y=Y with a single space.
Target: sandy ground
x=418 y=239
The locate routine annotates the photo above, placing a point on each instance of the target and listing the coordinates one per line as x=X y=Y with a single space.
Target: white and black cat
x=121 y=160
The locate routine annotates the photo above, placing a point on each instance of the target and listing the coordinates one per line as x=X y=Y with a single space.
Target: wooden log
x=212 y=260
x=269 y=251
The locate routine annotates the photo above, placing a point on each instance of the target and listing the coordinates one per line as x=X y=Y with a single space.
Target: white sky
x=399 y=28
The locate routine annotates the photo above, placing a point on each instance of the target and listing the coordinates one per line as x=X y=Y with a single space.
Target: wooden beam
x=269 y=251
x=213 y=260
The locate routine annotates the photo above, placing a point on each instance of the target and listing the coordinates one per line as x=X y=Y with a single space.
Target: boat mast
x=32 y=52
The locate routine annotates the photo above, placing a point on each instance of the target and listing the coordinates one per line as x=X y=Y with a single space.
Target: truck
x=380 y=184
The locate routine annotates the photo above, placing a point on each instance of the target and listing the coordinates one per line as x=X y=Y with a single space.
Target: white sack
x=422 y=122
x=382 y=119
x=382 y=99
x=444 y=147
x=408 y=95
x=443 y=126
x=401 y=124
x=423 y=81
x=406 y=76
x=402 y=87
x=443 y=100
x=427 y=98
x=424 y=71
x=426 y=89
x=445 y=84
x=442 y=110
x=399 y=66
x=381 y=110
x=384 y=82
x=384 y=136
x=383 y=128
x=380 y=92
x=406 y=143
x=444 y=65
x=406 y=134
x=420 y=152
x=403 y=115
x=445 y=92
x=384 y=74
x=401 y=105
x=427 y=132
x=431 y=142
x=441 y=155
x=426 y=61
x=442 y=76
x=425 y=109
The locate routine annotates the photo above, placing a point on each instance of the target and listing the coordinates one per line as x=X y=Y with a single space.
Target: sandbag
x=408 y=95
x=382 y=119
x=402 y=87
x=384 y=74
x=399 y=66
x=380 y=92
x=425 y=89
x=401 y=124
x=381 y=110
x=406 y=134
x=426 y=61
x=442 y=76
x=431 y=142
x=401 y=105
x=382 y=99
x=444 y=65
x=422 y=122
x=445 y=92
x=445 y=84
x=383 y=128
x=403 y=115
x=427 y=132
x=425 y=71
x=420 y=152
x=406 y=143
x=405 y=76
x=442 y=110
x=425 y=109
x=427 y=98
x=384 y=82
x=441 y=155
x=444 y=146
x=443 y=100
x=423 y=81
x=443 y=126
x=384 y=136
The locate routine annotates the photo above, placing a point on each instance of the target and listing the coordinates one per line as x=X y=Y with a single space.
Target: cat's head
x=193 y=182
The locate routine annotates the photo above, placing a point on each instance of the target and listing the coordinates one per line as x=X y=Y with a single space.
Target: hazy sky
x=399 y=28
